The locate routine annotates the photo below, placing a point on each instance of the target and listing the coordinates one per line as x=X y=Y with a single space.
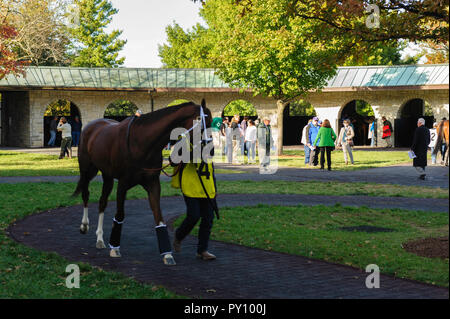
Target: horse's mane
x=159 y=114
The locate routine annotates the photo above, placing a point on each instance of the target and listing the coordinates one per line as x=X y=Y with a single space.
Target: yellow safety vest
x=188 y=180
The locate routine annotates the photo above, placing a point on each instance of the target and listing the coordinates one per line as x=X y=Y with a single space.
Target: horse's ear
x=203 y=103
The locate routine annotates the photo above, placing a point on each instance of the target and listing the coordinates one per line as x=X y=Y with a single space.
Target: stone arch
x=58 y=108
x=119 y=109
x=406 y=122
x=361 y=114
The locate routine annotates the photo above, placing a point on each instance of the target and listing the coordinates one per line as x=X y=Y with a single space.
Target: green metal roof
x=146 y=78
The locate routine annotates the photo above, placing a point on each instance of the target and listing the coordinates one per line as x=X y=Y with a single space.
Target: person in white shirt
x=66 y=134
x=250 y=141
x=433 y=140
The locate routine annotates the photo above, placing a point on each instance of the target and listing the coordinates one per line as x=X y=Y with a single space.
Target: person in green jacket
x=326 y=138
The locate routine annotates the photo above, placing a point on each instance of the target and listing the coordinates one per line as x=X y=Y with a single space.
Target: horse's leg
x=153 y=188
x=108 y=184
x=114 y=241
x=85 y=177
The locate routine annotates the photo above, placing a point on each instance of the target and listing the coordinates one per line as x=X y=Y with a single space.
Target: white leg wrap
x=100 y=243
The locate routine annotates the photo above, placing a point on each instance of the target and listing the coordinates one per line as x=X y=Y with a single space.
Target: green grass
x=330 y=188
x=29 y=273
x=363 y=159
x=313 y=232
x=31 y=164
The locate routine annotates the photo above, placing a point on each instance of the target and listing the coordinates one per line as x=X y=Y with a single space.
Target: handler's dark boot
x=206 y=256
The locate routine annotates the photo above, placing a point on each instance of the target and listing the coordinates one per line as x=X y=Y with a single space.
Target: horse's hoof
x=115 y=253
x=169 y=260
x=100 y=245
x=84 y=228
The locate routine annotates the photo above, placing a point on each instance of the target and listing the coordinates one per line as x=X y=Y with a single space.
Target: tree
x=188 y=49
x=8 y=59
x=94 y=47
x=284 y=49
x=40 y=36
x=435 y=53
x=239 y=107
x=413 y=20
x=121 y=108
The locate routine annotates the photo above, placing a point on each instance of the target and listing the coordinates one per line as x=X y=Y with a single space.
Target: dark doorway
x=295 y=117
x=407 y=123
x=292 y=127
x=59 y=108
x=361 y=115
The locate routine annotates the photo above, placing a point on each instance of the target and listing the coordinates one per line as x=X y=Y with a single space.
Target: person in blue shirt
x=311 y=134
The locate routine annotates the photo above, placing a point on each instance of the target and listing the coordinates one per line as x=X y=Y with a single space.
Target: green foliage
x=301 y=108
x=94 y=47
x=177 y=102
x=239 y=107
x=363 y=108
x=121 y=108
x=58 y=108
x=186 y=49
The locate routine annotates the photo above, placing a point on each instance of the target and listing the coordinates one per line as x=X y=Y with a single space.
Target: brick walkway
x=239 y=272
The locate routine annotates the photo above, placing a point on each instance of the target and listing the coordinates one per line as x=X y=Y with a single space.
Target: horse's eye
x=198 y=118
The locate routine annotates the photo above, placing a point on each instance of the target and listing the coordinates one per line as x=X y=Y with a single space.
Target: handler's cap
x=315 y=118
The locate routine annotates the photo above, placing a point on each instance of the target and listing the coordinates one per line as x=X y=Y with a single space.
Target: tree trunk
x=280 y=110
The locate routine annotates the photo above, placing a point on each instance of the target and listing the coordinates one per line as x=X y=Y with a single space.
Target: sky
x=144 y=22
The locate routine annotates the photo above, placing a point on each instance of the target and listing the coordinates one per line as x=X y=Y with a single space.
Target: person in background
x=433 y=141
x=371 y=135
x=76 y=131
x=236 y=139
x=325 y=140
x=265 y=141
x=387 y=132
x=306 y=148
x=243 y=128
x=345 y=141
x=138 y=113
x=419 y=146
x=311 y=134
x=250 y=141
x=66 y=134
x=444 y=145
x=53 y=131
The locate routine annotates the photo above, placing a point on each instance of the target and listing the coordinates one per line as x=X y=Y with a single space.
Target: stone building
x=401 y=93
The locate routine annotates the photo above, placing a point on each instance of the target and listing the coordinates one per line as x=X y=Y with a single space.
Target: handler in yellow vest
x=198 y=185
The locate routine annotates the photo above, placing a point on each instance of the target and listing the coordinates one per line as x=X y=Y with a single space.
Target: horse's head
x=200 y=118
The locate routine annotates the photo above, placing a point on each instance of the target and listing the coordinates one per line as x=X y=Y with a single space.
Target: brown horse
x=131 y=152
x=442 y=132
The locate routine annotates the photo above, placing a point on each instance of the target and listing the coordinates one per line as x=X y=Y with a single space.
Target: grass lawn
x=31 y=164
x=45 y=272
x=363 y=159
x=314 y=232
